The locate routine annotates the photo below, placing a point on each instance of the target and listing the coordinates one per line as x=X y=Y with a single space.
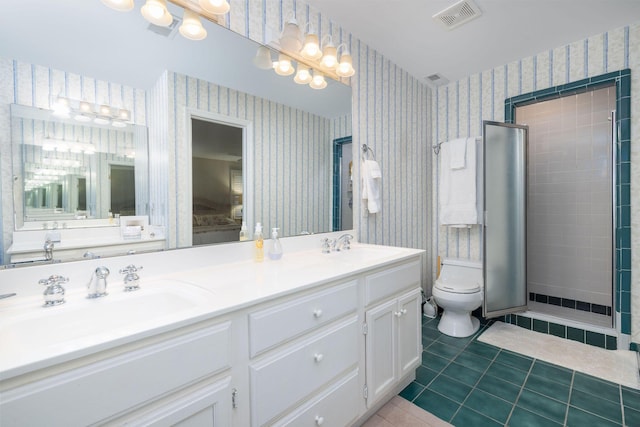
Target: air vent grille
x=458 y=14
x=436 y=79
x=168 y=31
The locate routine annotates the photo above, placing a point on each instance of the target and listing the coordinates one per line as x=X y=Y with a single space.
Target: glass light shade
x=124 y=114
x=119 y=5
x=217 y=7
x=318 y=81
x=284 y=67
x=263 y=59
x=345 y=67
x=291 y=39
x=85 y=107
x=155 y=11
x=61 y=107
x=101 y=121
x=118 y=124
x=82 y=117
x=104 y=110
x=329 y=56
x=303 y=75
x=311 y=48
x=191 y=27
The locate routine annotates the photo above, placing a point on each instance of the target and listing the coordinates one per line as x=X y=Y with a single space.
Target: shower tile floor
x=468 y=383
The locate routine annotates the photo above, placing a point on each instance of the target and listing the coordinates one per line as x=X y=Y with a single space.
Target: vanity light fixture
x=191 y=27
x=329 y=55
x=318 y=81
x=156 y=12
x=263 y=59
x=217 y=7
x=303 y=75
x=84 y=111
x=345 y=65
x=284 y=66
x=119 y=5
x=291 y=38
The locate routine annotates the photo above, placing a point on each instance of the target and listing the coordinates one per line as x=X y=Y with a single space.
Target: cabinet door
x=381 y=356
x=409 y=316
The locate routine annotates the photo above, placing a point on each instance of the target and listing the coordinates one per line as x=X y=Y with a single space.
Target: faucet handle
x=326 y=245
x=54 y=293
x=131 y=278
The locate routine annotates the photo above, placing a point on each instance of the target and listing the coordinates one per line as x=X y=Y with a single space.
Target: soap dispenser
x=275 y=249
x=259 y=243
x=243 y=232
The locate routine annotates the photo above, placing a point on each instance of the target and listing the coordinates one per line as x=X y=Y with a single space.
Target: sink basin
x=82 y=322
x=365 y=254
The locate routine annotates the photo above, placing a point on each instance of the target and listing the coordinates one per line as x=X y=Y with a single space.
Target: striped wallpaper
x=460 y=107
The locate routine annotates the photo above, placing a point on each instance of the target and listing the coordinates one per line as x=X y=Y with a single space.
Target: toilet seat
x=458 y=287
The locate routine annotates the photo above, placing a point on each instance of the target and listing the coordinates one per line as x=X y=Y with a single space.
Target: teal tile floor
x=469 y=383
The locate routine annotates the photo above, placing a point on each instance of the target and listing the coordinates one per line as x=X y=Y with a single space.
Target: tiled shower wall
x=460 y=107
x=569 y=196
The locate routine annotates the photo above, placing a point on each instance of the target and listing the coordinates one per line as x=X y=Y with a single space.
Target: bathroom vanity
x=311 y=339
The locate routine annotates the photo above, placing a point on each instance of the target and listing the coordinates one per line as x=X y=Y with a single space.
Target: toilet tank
x=461 y=270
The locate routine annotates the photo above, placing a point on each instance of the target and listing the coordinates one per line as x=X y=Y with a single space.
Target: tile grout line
x=566 y=413
x=515 y=402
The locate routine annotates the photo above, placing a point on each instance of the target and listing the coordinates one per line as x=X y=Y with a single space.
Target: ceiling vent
x=458 y=14
x=169 y=31
x=436 y=80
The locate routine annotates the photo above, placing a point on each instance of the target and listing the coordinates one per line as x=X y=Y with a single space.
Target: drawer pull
x=317 y=313
x=319 y=420
x=318 y=357
x=400 y=313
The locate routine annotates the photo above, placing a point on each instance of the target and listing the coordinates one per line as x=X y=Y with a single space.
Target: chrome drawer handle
x=400 y=313
x=319 y=420
x=317 y=313
x=318 y=357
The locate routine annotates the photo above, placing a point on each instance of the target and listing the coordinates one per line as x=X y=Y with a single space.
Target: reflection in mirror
x=69 y=170
x=292 y=125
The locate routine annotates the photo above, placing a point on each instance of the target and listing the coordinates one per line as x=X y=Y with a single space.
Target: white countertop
x=29 y=333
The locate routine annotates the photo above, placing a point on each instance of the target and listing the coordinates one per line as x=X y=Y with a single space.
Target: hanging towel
x=457 y=187
x=458 y=153
x=371 y=174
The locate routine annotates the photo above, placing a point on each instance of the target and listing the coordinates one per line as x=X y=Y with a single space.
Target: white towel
x=370 y=174
x=458 y=153
x=457 y=188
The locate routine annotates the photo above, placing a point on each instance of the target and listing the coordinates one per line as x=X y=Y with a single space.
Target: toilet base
x=459 y=325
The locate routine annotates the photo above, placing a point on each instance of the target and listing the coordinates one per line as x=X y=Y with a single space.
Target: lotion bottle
x=275 y=248
x=259 y=243
x=243 y=232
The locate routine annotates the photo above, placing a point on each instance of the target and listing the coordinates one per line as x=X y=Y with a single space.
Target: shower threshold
x=570 y=317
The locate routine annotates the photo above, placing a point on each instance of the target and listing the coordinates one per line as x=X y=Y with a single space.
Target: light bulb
x=119 y=5
x=303 y=75
x=284 y=67
x=155 y=11
x=191 y=27
x=329 y=56
x=345 y=67
x=217 y=7
x=318 y=81
x=311 y=48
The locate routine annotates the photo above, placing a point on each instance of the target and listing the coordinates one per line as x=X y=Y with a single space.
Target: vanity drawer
x=279 y=382
x=389 y=282
x=338 y=406
x=282 y=322
x=117 y=384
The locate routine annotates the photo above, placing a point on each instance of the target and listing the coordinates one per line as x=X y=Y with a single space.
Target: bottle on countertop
x=275 y=247
x=243 y=232
x=259 y=243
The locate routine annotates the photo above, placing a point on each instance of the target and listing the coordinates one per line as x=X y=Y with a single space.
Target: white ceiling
x=508 y=30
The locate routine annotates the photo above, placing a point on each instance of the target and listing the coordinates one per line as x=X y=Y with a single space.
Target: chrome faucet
x=342 y=242
x=326 y=245
x=98 y=284
x=48 y=250
x=54 y=293
x=90 y=255
x=131 y=278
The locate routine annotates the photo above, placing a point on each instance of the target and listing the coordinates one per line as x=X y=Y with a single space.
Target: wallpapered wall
x=33 y=85
x=291 y=158
x=390 y=115
x=460 y=107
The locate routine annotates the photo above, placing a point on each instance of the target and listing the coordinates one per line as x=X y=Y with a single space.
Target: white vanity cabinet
x=393 y=328
x=311 y=375
x=85 y=391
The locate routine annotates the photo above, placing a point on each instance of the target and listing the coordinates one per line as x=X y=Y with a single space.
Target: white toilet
x=458 y=291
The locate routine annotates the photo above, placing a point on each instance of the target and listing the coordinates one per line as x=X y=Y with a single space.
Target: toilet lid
x=458 y=287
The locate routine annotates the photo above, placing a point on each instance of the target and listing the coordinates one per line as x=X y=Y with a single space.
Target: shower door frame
x=621 y=178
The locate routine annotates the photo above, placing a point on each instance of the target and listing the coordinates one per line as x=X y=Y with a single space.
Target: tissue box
x=132 y=232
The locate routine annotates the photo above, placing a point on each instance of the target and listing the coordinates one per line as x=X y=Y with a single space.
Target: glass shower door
x=505 y=224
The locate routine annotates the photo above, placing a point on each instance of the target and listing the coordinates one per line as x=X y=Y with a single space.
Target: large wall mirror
x=82 y=49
